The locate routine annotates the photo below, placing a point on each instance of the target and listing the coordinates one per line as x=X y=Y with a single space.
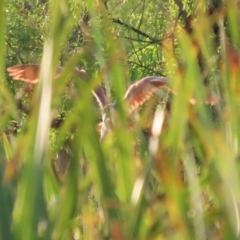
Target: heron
x=136 y=95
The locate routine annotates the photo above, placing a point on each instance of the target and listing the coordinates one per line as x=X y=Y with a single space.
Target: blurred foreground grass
x=181 y=182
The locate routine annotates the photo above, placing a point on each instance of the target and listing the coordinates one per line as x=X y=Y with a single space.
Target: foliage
x=179 y=180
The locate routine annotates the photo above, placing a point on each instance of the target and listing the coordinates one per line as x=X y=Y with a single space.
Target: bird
x=136 y=95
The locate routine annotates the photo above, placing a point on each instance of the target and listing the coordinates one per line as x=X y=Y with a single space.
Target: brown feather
x=28 y=73
x=139 y=92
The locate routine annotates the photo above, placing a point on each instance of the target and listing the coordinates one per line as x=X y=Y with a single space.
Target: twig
x=15 y=51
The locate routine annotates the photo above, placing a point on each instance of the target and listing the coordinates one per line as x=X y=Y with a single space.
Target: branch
x=118 y=21
x=151 y=42
x=121 y=2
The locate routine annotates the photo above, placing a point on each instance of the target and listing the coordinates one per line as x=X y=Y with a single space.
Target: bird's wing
x=139 y=92
x=28 y=73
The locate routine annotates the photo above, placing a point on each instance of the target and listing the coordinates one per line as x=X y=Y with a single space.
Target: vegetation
x=176 y=180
